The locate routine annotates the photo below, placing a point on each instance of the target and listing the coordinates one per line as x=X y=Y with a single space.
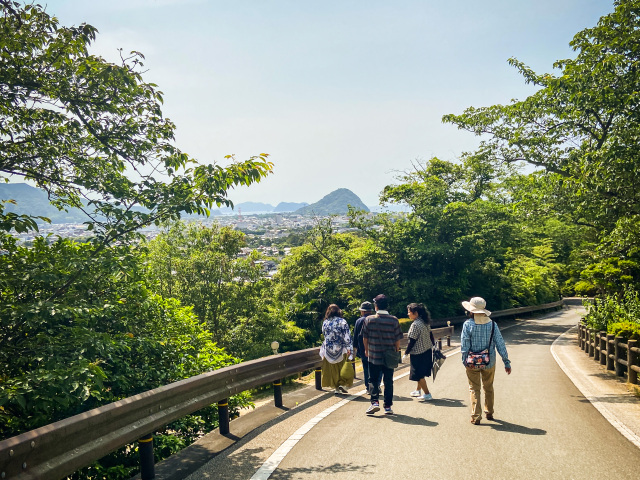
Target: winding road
x=544 y=427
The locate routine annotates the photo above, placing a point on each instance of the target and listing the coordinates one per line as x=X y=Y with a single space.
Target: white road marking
x=270 y=465
x=590 y=395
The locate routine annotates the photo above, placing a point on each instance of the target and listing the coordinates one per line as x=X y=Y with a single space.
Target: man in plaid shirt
x=475 y=337
x=380 y=332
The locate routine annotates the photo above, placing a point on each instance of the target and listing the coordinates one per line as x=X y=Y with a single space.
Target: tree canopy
x=582 y=130
x=92 y=133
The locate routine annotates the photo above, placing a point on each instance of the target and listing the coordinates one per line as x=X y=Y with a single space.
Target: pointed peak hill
x=337 y=202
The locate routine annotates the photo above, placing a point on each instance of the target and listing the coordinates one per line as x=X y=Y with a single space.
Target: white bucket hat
x=476 y=305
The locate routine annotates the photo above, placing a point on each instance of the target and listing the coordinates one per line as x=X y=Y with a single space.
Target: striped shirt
x=382 y=331
x=475 y=337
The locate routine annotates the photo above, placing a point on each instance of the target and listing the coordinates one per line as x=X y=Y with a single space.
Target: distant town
x=269 y=234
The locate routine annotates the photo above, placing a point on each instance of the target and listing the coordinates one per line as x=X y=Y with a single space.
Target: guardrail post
x=223 y=416
x=603 y=348
x=145 y=449
x=277 y=393
x=632 y=359
x=617 y=352
x=610 y=355
x=318 y=379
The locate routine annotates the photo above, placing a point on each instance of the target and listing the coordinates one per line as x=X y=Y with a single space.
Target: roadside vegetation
x=86 y=323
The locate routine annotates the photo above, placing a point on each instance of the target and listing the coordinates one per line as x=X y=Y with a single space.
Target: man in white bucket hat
x=479 y=340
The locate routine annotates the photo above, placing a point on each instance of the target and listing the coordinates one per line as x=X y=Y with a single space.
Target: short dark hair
x=421 y=310
x=381 y=301
x=333 y=310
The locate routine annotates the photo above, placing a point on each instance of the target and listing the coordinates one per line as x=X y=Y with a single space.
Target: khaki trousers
x=476 y=377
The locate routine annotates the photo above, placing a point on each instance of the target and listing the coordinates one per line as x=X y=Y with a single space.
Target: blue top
x=475 y=337
x=357 y=337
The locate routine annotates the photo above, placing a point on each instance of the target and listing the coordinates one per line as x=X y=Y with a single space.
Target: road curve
x=544 y=428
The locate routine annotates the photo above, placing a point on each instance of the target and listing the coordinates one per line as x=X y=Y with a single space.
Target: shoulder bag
x=480 y=360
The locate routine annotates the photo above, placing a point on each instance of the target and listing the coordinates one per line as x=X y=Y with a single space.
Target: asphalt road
x=543 y=428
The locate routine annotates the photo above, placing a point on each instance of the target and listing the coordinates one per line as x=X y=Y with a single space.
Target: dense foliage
x=581 y=128
x=86 y=323
x=202 y=266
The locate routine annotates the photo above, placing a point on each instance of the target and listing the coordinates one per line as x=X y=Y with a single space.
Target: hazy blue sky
x=340 y=93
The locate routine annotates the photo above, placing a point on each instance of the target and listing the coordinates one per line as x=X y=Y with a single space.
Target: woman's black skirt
x=421 y=365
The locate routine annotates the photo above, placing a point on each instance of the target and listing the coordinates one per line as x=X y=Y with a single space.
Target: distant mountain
x=34 y=201
x=337 y=202
x=284 y=207
x=248 y=207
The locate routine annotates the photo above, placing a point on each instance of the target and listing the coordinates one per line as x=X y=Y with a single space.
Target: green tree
x=581 y=129
x=203 y=267
x=83 y=129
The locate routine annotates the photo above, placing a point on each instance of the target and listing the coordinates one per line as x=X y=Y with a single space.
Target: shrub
x=405 y=323
x=628 y=330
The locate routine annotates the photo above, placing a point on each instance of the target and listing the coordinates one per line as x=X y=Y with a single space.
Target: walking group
x=376 y=341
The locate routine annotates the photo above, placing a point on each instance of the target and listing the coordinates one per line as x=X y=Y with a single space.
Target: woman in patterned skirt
x=420 y=348
x=335 y=349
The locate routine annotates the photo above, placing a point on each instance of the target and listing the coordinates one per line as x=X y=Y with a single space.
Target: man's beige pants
x=475 y=377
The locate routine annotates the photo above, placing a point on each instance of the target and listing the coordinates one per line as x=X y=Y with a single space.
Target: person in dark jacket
x=366 y=309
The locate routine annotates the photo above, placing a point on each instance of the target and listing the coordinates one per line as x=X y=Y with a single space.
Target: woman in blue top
x=480 y=333
x=335 y=349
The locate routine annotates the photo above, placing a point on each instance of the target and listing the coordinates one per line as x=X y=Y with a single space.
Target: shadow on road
x=285 y=473
x=532 y=334
x=610 y=399
x=406 y=419
x=503 y=426
x=446 y=402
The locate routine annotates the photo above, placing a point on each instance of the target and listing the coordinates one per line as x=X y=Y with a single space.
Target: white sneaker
x=342 y=389
x=427 y=396
x=416 y=393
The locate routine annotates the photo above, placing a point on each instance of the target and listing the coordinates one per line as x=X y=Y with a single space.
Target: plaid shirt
x=382 y=331
x=476 y=337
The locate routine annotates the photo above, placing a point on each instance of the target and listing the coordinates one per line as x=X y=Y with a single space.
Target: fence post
x=580 y=328
x=632 y=360
x=603 y=348
x=590 y=345
x=145 y=448
x=223 y=416
x=318 y=379
x=596 y=346
x=617 y=354
x=585 y=346
x=610 y=359
x=277 y=393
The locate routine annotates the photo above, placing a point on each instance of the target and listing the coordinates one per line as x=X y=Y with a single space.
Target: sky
x=339 y=93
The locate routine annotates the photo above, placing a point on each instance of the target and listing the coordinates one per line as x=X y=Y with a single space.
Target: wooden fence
x=609 y=350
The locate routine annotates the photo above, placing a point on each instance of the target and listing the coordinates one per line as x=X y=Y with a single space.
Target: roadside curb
x=599 y=390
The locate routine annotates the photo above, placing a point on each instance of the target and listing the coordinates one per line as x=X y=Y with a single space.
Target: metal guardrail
x=59 y=449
